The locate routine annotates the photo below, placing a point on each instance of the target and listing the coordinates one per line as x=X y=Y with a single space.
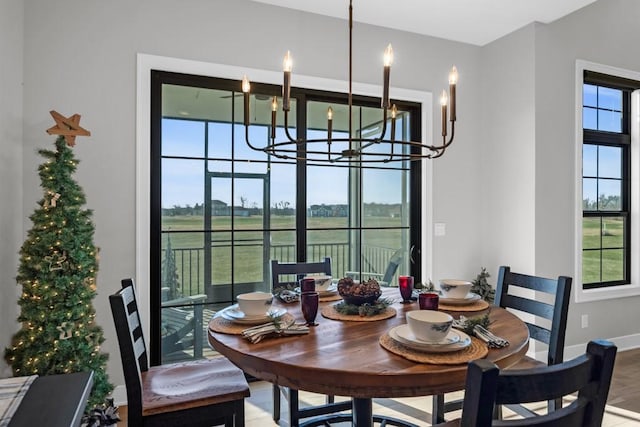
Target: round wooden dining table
x=345 y=358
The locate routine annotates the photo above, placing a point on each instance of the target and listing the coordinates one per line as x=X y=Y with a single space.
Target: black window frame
x=300 y=95
x=620 y=140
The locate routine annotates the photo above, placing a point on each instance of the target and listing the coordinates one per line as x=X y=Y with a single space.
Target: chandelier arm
x=246 y=138
x=286 y=128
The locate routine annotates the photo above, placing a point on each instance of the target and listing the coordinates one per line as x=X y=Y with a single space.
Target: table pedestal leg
x=362 y=412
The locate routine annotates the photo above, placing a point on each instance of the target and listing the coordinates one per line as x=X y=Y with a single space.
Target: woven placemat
x=330 y=297
x=476 y=306
x=224 y=326
x=330 y=312
x=476 y=350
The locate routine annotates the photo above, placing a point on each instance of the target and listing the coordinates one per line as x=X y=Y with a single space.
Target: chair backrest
x=133 y=350
x=556 y=312
x=299 y=269
x=589 y=375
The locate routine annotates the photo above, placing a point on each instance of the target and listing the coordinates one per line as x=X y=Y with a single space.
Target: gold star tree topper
x=67 y=126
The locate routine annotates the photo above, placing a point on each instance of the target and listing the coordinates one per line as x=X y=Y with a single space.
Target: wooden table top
x=345 y=358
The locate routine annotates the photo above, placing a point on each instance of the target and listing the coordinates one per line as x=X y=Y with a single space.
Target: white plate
x=463 y=342
x=406 y=335
x=331 y=290
x=235 y=315
x=469 y=299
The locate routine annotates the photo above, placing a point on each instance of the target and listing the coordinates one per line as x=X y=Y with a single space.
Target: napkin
x=258 y=333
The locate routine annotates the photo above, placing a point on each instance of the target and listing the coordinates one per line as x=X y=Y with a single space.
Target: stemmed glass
x=405 y=283
x=309 y=305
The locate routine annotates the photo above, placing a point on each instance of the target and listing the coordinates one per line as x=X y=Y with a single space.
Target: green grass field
x=602 y=259
x=323 y=239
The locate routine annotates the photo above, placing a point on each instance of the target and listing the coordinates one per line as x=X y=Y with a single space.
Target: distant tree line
x=604 y=203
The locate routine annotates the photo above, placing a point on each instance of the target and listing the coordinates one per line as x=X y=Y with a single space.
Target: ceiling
x=476 y=22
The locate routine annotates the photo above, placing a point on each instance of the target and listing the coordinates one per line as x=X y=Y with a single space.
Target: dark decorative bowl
x=361 y=299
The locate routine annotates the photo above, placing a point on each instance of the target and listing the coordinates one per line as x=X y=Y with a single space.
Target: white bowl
x=452 y=288
x=322 y=282
x=255 y=303
x=429 y=325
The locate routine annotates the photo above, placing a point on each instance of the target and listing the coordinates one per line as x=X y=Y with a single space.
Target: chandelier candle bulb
x=286 y=87
x=274 y=108
x=443 y=103
x=329 y=124
x=246 y=87
x=394 y=113
x=453 y=80
x=388 y=60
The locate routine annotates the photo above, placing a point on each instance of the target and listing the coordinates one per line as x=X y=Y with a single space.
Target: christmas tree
x=57 y=272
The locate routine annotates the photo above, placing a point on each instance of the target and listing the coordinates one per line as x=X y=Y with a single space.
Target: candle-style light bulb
x=388 y=56
x=394 y=113
x=287 y=64
x=246 y=86
x=329 y=123
x=388 y=59
x=453 y=76
x=274 y=107
x=453 y=80
x=286 y=86
x=444 y=99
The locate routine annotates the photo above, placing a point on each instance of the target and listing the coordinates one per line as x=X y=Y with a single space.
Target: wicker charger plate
x=476 y=306
x=476 y=350
x=224 y=326
x=329 y=298
x=330 y=312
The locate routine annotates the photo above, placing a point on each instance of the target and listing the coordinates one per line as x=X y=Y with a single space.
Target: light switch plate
x=439 y=229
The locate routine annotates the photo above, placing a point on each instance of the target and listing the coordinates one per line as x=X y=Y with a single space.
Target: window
x=605 y=185
x=608 y=228
x=221 y=211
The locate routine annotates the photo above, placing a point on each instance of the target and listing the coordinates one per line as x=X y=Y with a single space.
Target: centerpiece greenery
x=379 y=306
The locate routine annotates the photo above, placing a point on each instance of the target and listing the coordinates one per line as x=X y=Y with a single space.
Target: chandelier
x=350 y=149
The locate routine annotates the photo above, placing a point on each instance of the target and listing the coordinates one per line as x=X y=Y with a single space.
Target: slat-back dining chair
x=588 y=375
x=556 y=312
x=299 y=270
x=195 y=393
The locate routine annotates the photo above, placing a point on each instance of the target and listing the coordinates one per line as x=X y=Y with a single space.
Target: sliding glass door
x=222 y=211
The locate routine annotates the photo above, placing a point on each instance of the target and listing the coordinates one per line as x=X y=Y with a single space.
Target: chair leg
x=276 y=403
x=294 y=416
x=437 y=413
x=331 y=398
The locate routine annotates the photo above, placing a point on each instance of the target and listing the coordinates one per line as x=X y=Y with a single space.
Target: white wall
x=80 y=57
x=508 y=152
x=606 y=33
x=11 y=218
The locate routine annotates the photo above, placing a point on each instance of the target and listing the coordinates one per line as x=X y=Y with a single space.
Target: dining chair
x=513 y=292
x=589 y=376
x=195 y=393
x=299 y=270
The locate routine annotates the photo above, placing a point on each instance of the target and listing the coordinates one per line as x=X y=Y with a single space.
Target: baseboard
x=625 y=342
x=119 y=395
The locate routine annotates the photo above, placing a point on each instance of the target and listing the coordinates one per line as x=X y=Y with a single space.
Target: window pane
x=182 y=138
x=589 y=194
x=333 y=204
x=220 y=140
x=609 y=99
x=591 y=233
x=590 y=95
x=249 y=268
x=589 y=118
x=221 y=206
x=283 y=246
x=613 y=231
x=182 y=184
x=589 y=160
x=182 y=271
x=332 y=243
x=591 y=266
x=612 y=265
x=609 y=194
x=282 y=206
x=609 y=121
x=609 y=162
x=385 y=197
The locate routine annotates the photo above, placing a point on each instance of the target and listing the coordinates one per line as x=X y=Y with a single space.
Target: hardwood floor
x=623 y=408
